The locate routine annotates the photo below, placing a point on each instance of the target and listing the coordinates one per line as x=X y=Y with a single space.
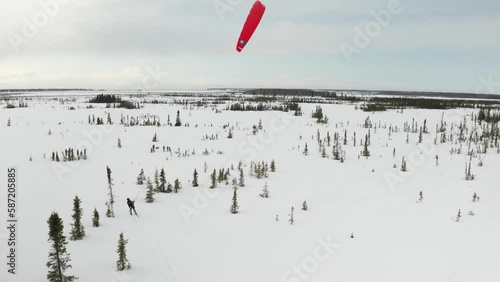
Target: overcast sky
x=445 y=45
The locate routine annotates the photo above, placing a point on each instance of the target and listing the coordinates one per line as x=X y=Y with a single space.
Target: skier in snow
x=131 y=206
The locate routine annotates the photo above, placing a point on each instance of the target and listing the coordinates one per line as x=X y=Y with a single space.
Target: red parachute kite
x=251 y=24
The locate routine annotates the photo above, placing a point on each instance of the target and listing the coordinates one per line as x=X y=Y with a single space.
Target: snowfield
x=191 y=236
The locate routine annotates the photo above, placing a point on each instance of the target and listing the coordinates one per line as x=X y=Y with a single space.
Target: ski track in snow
x=157 y=248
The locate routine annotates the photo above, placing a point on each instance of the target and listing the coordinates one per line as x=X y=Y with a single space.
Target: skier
x=131 y=206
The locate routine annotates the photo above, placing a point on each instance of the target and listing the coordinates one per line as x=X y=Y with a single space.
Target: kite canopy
x=250 y=25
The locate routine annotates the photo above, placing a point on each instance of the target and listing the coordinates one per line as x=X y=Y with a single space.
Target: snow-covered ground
x=191 y=236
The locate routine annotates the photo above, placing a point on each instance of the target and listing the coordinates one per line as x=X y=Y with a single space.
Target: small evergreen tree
x=366 y=152
x=8 y=122
x=163 y=181
x=155 y=138
x=213 y=177
x=77 y=231
x=291 y=220
x=156 y=187
x=306 y=151
x=119 y=143
x=304 y=206
x=195 y=178
x=95 y=218
x=475 y=197
x=58 y=256
x=122 y=263
x=458 y=216
x=177 y=185
x=273 y=166
x=421 y=197
x=141 y=177
x=169 y=188
x=265 y=191
x=110 y=186
x=403 y=164
x=109 y=210
x=242 y=178
x=178 y=119
x=150 y=192
x=234 y=205
x=220 y=178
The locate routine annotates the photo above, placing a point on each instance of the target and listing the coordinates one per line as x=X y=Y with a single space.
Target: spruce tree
x=195 y=178
x=150 y=192
x=273 y=166
x=110 y=186
x=403 y=164
x=169 y=188
x=242 y=178
x=475 y=197
x=220 y=178
x=141 y=177
x=306 y=151
x=95 y=218
x=8 y=122
x=304 y=206
x=265 y=191
x=213 y=177
x=77 y=230
x=156 y=181
x=109 y=210
x=177 y=185
x=291 y=220
x=366 y=152
x=58 y=256
x=163 y=181
x=234 y=205
x=122 y=263
x=178 y=119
